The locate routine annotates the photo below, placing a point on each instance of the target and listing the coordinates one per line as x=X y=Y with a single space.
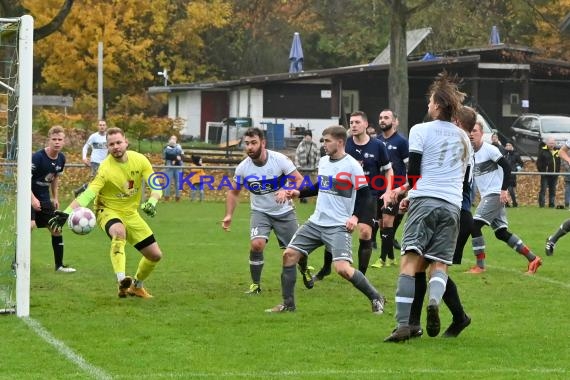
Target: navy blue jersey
x=398 y=150
x=44 y=170
x=374 y=159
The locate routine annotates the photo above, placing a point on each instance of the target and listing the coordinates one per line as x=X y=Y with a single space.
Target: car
x=530 y=131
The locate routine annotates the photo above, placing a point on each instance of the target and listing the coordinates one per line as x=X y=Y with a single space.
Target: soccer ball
x=81 y=221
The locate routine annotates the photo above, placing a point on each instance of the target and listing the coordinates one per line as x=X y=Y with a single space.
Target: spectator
x=496 y=142
x=196 y=179
x=173 y=158
x=307 y=156
x=322 y=150
x=516 y=164
x=548 y=162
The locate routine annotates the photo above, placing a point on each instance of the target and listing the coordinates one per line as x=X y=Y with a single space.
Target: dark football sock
x=453 y=302
x=57 y=245
x=288 y=280
x=419 y=294
x=361 y=283
x=255 y=266
x=364 y=253
x=387 y=248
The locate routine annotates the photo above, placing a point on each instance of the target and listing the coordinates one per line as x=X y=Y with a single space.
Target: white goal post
x=18 y=92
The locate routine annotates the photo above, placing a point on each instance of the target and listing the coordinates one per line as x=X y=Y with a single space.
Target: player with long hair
x=439 y=156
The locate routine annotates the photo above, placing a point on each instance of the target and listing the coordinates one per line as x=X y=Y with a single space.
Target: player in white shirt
x=492 y=172
x=465 y=118
x=264 y=173
x=342 y=198
x=97 y=143
x=439 y=156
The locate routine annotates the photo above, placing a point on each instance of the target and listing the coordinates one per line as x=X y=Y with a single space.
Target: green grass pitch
x=201 y=324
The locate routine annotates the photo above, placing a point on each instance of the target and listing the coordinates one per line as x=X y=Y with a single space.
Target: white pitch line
x=93 y=371
x=363 y=372
x=535 y=277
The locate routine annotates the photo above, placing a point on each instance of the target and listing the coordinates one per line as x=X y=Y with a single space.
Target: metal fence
x=528 y=182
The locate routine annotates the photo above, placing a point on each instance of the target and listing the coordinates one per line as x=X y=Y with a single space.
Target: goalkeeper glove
x=149 y=207
x=58 y=221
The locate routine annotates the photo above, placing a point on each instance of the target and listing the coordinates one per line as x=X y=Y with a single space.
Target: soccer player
x=439 y=155
x=263 y=173
x=465 y=119
x=97 y=142
x=343 y=196
x=564 y=227
x=553 y=239
x=492 y=174
x=372 y=155
x=117 y=191
x=388 y=216
x=47 y=166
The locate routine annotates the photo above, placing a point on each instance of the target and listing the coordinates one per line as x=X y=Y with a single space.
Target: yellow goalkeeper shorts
x=135 y=226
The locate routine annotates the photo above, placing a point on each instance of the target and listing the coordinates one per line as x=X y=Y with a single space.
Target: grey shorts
x=284 y=226
x=431 y=229
x=491 y=211
x=336 y=240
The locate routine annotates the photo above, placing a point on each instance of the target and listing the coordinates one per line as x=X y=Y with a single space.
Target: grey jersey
x=488 y=174
x=446 y=151
x=263 y=181
x=337 y=191
x=98 y=145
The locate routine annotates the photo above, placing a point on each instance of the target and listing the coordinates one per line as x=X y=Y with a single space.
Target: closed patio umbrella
x=296 y=55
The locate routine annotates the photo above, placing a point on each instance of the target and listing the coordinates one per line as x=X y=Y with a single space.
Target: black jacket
x=515 y=162
x=548 y=160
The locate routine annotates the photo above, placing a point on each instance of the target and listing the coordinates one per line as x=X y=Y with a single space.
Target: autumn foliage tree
x=139 y=38
x=210 y=40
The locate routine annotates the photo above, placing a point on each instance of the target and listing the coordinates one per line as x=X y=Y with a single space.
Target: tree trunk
x=398 y=89
x=398 y=86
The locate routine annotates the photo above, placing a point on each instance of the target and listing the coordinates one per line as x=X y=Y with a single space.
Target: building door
x=215 y=107
x=350 y=103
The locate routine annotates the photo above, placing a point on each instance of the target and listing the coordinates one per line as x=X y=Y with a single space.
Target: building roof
x=413 y=39
x=310 y=75
x=502 y=54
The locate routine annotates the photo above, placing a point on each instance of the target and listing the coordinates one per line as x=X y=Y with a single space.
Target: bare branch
x=55 y=23
x=421 y=6
x=533 y=7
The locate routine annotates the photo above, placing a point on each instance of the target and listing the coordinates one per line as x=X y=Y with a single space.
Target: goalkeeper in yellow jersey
x=117 y=190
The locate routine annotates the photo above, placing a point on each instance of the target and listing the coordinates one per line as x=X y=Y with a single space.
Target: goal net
x=16 y=71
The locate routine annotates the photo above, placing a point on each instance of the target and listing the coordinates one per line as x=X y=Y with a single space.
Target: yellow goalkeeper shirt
x=118 y=185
